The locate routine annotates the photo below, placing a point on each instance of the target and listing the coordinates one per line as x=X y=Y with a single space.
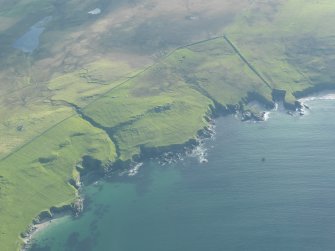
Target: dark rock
x=298 y=105
x=19 y=128
x=162 y=108
x=246 y=115
x=45 y=160
x=278 y=95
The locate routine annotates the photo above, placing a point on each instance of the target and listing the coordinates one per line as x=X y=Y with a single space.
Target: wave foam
x=134 y=170
x=169 y=158
x=266 y=116
x=321 y=96
x=199 y=152
x=276 y=107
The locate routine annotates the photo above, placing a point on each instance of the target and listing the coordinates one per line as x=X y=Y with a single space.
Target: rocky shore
x=77 y=207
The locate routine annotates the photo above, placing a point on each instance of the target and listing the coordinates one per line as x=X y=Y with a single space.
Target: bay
x=266 y=186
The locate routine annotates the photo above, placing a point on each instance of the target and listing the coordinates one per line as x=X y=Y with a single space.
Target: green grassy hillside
x=36 y=176
x=142 y=75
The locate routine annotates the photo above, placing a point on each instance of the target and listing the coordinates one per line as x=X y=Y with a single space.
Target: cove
x=266 y=186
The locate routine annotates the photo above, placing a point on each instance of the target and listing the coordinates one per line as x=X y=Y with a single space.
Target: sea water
x=266 y=186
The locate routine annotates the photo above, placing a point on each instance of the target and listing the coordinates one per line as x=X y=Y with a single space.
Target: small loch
x=30 y=40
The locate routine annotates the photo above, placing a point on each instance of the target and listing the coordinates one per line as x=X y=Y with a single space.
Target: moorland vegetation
x=140 y=77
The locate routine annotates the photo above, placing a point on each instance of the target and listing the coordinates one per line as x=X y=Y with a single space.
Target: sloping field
x=141 y=76
x=36 y=177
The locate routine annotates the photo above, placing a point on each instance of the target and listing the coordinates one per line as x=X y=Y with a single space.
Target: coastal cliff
x=100 y=92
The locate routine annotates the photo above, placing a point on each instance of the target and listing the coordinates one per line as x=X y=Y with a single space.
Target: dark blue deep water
x=236 y=201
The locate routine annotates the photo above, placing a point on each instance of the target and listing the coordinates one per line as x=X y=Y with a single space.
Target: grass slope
x=82 y=86
x=28 y=122
x=290 y=43
x=168 y=103
x=142 y=116
x=95 y=63
x=37 y=176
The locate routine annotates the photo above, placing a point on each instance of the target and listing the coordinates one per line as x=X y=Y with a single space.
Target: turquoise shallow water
x=236 y=201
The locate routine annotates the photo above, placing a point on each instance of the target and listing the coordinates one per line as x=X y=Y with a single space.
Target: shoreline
x=322 y=95
x=45 y=218
x=37 y=228
x=204 y=133
x=71 y=210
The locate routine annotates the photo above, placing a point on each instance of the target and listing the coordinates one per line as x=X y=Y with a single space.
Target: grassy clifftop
x=142 y=75
x=37 y=176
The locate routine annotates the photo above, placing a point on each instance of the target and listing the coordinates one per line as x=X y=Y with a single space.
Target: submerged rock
x=290 y=113
x=307 y=107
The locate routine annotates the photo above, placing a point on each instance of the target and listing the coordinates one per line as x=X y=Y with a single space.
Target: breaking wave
x=320 y=96
x=266 y=116
x=134 y=170
x=169 y=158
x=199 y=152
